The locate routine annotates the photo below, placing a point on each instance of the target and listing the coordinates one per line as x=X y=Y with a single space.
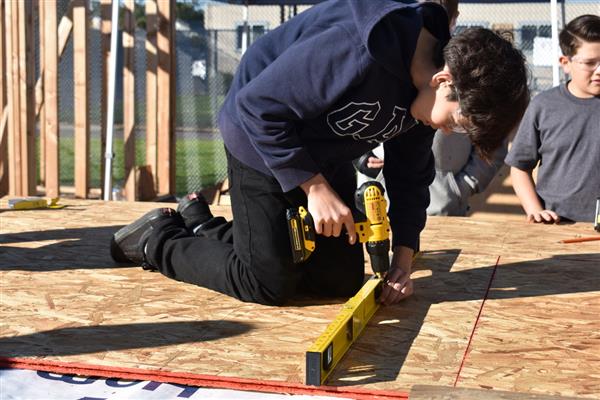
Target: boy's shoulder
x=554 y=93
x=552 y=99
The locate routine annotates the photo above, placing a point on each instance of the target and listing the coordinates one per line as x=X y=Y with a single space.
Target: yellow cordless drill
x=371 y=223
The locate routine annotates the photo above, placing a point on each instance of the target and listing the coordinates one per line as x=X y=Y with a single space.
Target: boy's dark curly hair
x=585 y=28
x=490 y=77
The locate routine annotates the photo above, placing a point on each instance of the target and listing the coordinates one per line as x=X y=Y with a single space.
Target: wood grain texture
x=151 y=88
x=535 y=331
x=129 y=104
x=81 y=89
x=51 y=129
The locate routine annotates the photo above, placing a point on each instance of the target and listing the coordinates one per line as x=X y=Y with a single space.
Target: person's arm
x=296 y=86
x=522 y=158
x=478 y=173
x=408 y=171
x=524 y=187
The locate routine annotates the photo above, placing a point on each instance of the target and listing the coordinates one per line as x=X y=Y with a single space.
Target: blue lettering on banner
x=72 y=379
x=112 y=382
x=185 y=393
x=152 y=385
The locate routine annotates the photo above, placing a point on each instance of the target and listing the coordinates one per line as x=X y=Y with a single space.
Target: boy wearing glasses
x=561 y=132
x=308 y=98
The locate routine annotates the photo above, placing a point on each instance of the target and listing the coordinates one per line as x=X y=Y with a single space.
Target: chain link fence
x=529 y=24
x=210 y=39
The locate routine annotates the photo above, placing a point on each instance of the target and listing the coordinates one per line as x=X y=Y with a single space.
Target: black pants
x=250 y=257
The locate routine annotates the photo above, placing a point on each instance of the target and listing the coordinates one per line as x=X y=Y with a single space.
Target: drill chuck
x=379 y=254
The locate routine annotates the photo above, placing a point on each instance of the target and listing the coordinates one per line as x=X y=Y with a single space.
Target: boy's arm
x=303 y=82
x=478 y=173
x=408 y=171
x=524 y=187
x=522 y=157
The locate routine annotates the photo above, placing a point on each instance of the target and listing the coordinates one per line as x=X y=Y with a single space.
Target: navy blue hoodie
x=329 y=85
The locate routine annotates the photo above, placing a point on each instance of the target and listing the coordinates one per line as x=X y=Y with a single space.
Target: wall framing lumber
x=151 y=89
x=81 y=79
x=129 y=98
x=27 y=98
x=51 y=100
x=165 y=98
x=64 y=30
x=14 y=122
x=3 y=107
x=39 y=95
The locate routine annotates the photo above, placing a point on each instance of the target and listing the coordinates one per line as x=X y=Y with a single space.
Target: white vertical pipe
x=110 y=108
x=555 y=50
x=245 y=33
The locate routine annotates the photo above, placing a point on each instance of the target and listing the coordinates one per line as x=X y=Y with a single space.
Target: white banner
x=18 y=384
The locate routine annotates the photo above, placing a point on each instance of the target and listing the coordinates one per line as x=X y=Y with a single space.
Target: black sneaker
x=194 y=210
x=127 y=244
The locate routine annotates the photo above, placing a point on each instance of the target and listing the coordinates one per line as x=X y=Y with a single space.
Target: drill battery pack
x=302 y=233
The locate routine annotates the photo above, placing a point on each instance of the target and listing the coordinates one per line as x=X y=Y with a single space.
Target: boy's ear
x=442 y=76
x=564 y=63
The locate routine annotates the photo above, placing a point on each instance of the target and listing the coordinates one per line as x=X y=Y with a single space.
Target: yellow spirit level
x=328 y=349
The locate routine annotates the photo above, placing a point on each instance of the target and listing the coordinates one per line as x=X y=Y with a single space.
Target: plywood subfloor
x=498 y=304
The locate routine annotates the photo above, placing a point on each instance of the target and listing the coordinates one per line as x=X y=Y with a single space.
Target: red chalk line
x=462 y=363
x=209 y=381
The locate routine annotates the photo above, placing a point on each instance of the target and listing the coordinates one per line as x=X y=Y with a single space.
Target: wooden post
x=4 y=167
x=80 y=77
x=166 y=98
x=105 y=27
x=51 y=99
x=64 y=30
x=39 y=94
x=129 y=99
x=151 y=110
x=14 y=122
x=27 y=98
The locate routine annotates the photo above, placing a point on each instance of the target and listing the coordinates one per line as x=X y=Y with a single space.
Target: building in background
x=528 y=23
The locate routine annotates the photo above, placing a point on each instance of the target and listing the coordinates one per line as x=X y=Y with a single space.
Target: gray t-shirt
x=562 y=133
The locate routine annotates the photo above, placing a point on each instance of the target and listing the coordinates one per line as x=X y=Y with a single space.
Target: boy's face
x=584 y=68
x=432 y=107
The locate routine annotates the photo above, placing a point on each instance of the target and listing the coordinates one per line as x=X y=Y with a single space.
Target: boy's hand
x=397 y=284
x=375 y=162
x=328 y=211
x=545 y=216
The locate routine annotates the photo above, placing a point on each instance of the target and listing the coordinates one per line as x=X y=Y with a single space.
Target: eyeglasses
x=589 y=65
x=456 y=125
